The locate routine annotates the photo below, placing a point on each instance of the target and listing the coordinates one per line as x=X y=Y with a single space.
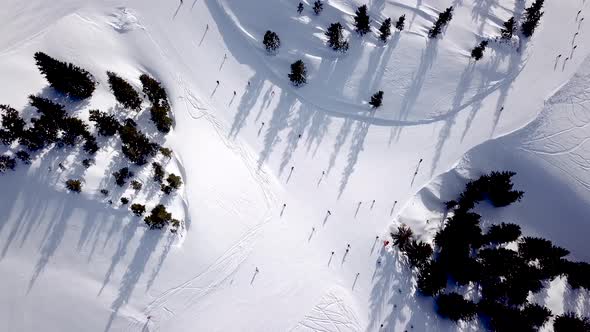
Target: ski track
x=329 y=315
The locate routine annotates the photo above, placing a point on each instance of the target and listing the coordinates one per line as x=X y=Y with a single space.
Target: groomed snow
x=74 y=263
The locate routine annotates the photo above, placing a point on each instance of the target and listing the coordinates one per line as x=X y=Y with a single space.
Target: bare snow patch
x=125 y=20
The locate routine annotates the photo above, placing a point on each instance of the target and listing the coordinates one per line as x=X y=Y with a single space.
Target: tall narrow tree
x=336 y=37
x=298 y=75
x=385 y=30
x=362 y=21
x=508 y=29
x=318 y=6
x=399 y=25
x=532 y=16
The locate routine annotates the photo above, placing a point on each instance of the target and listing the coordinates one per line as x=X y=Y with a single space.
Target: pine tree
x=318 y=6
x=13 y=125
x=508 y=29
x=66 y=77
x=158 y=217
x=154 y=91
x=418 y=253
x=431 y=279
x=402 y=237
x=74 y=185
x=136 y=185
x=298 y=73
x=160 y=118
x=443 y=19
x=376 y=99
x=90 y=144
x=532 y=17
x=300 y=8
x=401 y=22
x=271 y=41
x=336 y=37
x=503 y=233
x=124 y=92
x=7 y=163
x=166 y=152
x=578 y=274
x=24 y=156
x=124 y=200
x=73 y=129
x=87 y=162
x=158 y=172
x=534 y=316
x=477 y=52
x=455 y=307
x=174 y=182
x=362 y=20
x=106 y=124
x=385 y=30
x=136 y=146
x=570 y=322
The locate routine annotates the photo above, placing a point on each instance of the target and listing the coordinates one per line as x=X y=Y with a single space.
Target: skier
x=272 y=93
x=378 y=262
x=385 y=243
x=332 y=253
x=256 y=269
x=420 y=161
x=217 y=82
x=329 y=213
x=575 y=46
x=292 y=168
x=285 y=205
x=234 y=93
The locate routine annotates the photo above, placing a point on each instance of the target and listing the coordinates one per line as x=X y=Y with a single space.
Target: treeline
x=53 y=126
x=465 y=254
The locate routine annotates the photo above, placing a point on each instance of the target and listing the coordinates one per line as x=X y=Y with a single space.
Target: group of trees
x=466 y=255
x=53 y=125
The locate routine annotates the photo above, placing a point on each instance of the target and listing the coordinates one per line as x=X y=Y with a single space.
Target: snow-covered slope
x=72 y=263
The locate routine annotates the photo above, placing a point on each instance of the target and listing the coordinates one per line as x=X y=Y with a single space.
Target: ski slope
x=75 y=263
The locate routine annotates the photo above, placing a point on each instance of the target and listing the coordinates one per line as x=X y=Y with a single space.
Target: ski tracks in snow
x=329 y=315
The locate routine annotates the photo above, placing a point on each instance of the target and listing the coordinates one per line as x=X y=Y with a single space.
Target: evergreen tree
x=154 y=91
x=158 y=217
x=298 y=75
x=7 y=163
x=443 y=19
x=136 y=185
x=503 y=233
x=498 y=187
x=138 y=209
x=532 y=17
x=158 y=172
x=455 y=307
x=12 y=125
x=24 y=156
x=47 y=126
x=431 y=279
x=124 y=200
x=477 y=52
x=166 y=152
x=73 y=129
x=508 y=29
x=336 y=37
x=402 y=237
x=401 y=22
x=300 y=8
x=87 y=162
x=535 y=315
x=578 y=274
x=385 y=30
x=106 y=124
x=90 y=145
x=160 y=118
x=65 y=77
x=318 y=6
x=136 y=146
x=122 y=175
x=570 y=322
x=271 y=41
x=124 y=92
x=376 y=99
x=362 y=21
x=418 y=253
x=532 y=248
x=74 y=185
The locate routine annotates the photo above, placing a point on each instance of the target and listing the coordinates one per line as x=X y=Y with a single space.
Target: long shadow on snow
x=277 y=123
x=247 y=101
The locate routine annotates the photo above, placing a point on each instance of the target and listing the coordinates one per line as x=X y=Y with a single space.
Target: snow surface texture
x=74 y=263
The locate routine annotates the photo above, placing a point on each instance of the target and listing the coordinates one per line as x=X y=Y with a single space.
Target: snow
x=73 y=262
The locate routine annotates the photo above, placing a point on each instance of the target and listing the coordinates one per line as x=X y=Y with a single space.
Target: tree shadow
x=356 y=147
x=246 y=104
x=277 y=123
x=339 y=142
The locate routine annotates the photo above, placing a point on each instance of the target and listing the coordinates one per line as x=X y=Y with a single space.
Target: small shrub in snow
x=385 y=30
x=74 y=185
x=136 y=185
x=318 y=7
x=122 y=175
x=298 y=75
x=174 y=182
x=158 y=217
x=124 y=92
x=104 y=192
x=300 y=8
x=138 y=209
x=87 y=162
x=376 y=99
x=477 y=52
x=124 y=200
x=271 y=41
x=66 y=77
x=362 y=21
x=166 y=152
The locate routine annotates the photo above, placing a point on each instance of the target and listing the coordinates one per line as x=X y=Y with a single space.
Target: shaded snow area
x=279 y=181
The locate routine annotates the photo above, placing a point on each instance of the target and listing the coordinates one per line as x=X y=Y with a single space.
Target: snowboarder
x=501 y=109
x=256 y=269
x=559 y=56
x=420 y=161
x=234 y=92
x=575 y=46
x=348 y=245
x=329 y=213
x=332 y=253
x=292 y=168
x=284 y=205
x=217 y=83
x=377 y=237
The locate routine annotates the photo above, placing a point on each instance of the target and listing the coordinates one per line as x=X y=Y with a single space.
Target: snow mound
x=125 y=20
